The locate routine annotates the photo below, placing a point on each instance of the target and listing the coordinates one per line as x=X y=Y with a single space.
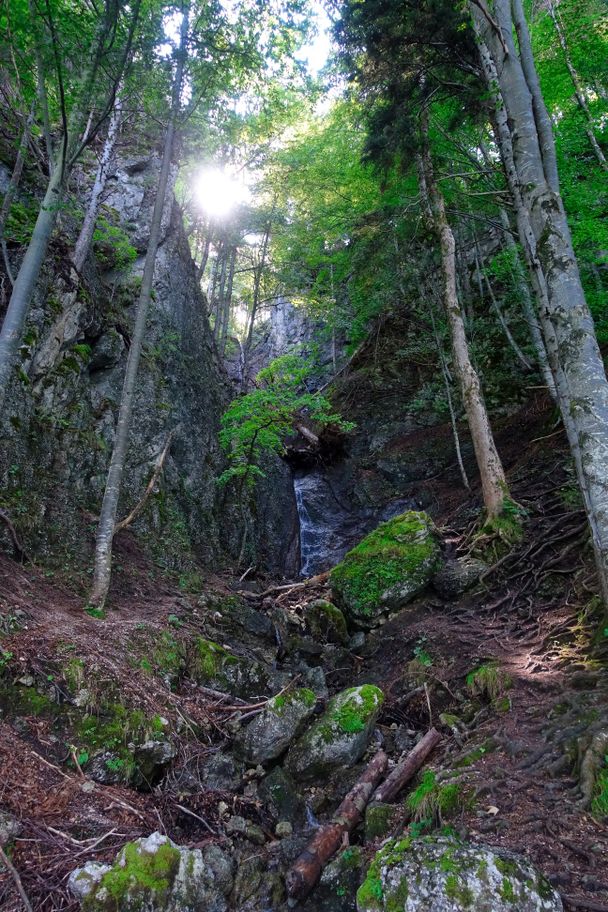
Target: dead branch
x=139 y=507
x=290 y=587
x=15 y=875
x=306 y=871
x=408 y=767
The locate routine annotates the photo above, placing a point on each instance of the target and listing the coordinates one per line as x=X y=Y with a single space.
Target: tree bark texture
x=306 y=871
x=566 y=321
x=407 y=768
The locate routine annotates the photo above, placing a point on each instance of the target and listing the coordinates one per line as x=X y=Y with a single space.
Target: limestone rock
x=108 y=768
x=151 y=761
x=271 y=733
x=456 y=576
x=340 y=736
x=443 y=875
x=155 y=875
x=387 y=568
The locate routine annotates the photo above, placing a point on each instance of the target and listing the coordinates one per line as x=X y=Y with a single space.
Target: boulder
x=271 y=733
x=213 y=666
x=339 y=737
x=278 y=792
x=156 y=875
x=458 y=575
x=337 y=888
x=443 y=875
x=387 y=568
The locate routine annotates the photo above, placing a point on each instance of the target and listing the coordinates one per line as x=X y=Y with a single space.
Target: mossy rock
x=337 y=888
x=155 y=875
x=326 y=622
x=340 y=736
x=387 y=569
x=271 y=733
x=378 y=820
x=212 y=665
x=443 y=875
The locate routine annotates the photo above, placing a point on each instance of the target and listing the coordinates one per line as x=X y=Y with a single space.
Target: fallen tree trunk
x=408 y=767
x=306 y=871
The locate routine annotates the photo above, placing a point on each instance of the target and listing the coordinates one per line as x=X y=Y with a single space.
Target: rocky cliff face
x=59 y=425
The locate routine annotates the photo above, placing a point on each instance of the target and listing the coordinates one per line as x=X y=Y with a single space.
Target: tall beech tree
x=97 y=75
x=526 y=140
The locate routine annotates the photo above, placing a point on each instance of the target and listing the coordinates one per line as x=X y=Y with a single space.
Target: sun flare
x=218 y=193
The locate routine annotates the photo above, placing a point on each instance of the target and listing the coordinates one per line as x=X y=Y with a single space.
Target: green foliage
x=258 y=423
x=143 y=876
x=599 y=803
x=20 y=223
x=112 y=247
x=433 y=800
x=488 y=680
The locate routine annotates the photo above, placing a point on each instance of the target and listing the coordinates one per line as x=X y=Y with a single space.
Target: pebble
x=283 y=829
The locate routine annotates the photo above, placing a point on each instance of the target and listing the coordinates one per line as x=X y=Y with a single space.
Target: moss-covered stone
x=270 y=734
x=214 y=666
x=387 y=569
x=378 y=820
x=340 y=736
x=155 y=874
x=326 y=622
x=444 y=875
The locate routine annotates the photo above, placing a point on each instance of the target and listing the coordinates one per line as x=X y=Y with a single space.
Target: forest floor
x=517 y=756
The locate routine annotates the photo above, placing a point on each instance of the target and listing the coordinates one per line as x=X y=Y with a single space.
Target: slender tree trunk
x=257 y=284
x=227 y=295
x=578 y=88
x=107 y=519
x=14 y=184
x=493 y=480
x=204 y=257
x=88 y=226
x=565 y=318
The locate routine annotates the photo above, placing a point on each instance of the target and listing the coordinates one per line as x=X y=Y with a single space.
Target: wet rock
x=152 y=759
x=443 y=875
x=339 y=737
x=271 y=733
x=9 y=828
x=156 y=875
x=337 y=888
x=456 y=576
x=326 y=622
x=279 y=794
x=357 y=641
x=387 y=569
x=222 y=772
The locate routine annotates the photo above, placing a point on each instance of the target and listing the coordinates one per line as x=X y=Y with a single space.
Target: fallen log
x=407 y=768
x=306 y=871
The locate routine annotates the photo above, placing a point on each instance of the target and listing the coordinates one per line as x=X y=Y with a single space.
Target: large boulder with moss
x=271 y=733
x=326 y=622
x=155 y=875
x=215 y=667
x=387 y=569
x=443 y=875
x=339 y=737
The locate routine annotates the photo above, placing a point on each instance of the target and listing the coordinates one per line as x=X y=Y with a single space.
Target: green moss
x=506 y=890
x=350 y=711
x=371 y=894
x=432 y=800
x=399 y=549
x=73 y=673
x=210 y=659
x=26 y=701
x=114 y=728
x=144 y=876
x=489 y=681
x=397 y=898
x=327 y=622
x=300 y=695
x=378 y=818
x=599 y=803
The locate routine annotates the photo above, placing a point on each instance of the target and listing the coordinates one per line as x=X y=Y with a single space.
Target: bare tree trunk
x=493 y=480
x=227 y=300
x=13 y=185
x=107 y=519
x=567 y=325
x=88 y=226
x=578 y=88
x=257 y=284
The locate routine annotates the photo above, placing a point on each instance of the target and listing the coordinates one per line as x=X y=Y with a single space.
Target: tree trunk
x=257 y=284
x=307 y=869
x=88 y=226
x=565 y=318
x=107 y=519
x=578 y=88
x=407 y=768
x=493 y=480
